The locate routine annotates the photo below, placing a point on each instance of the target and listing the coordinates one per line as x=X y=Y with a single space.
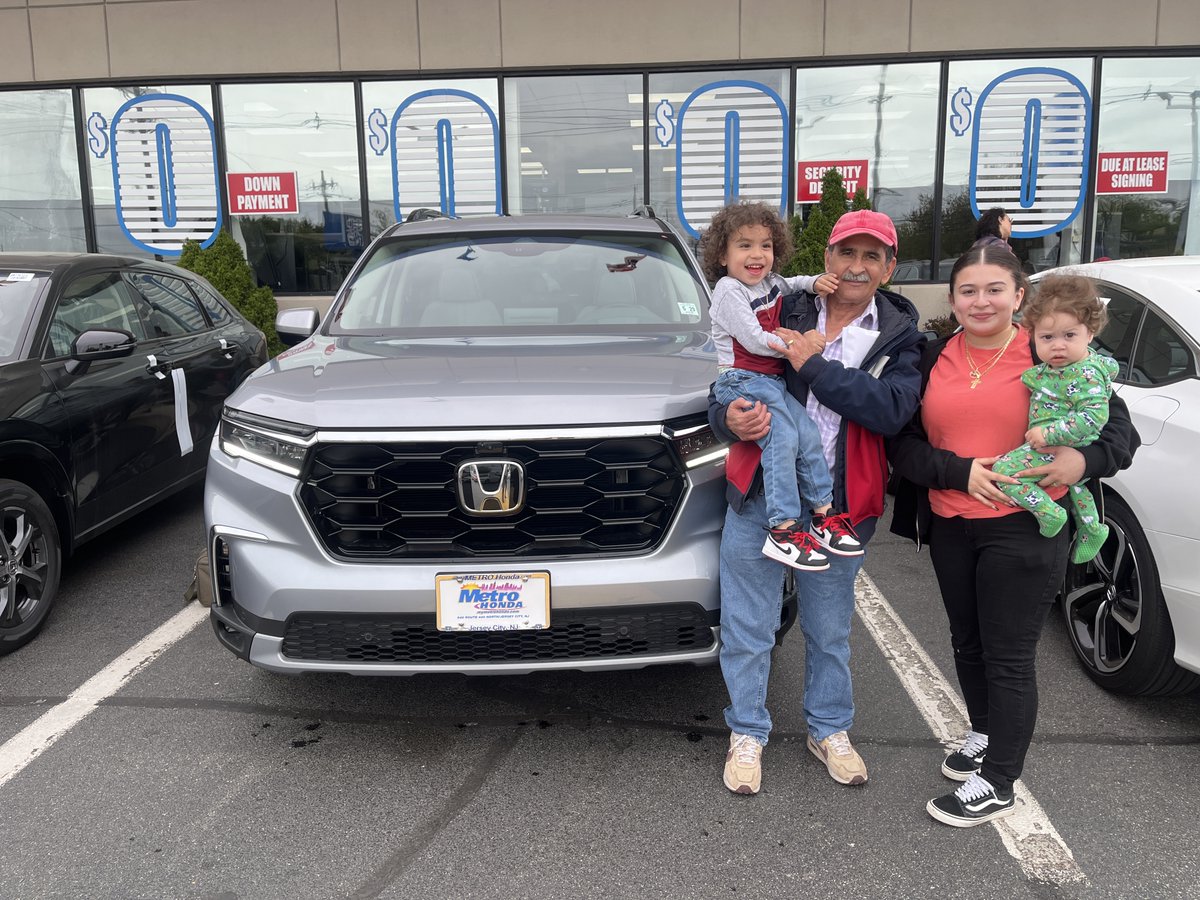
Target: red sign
x=256 y=193
x=809 y=175
x=1133 y=172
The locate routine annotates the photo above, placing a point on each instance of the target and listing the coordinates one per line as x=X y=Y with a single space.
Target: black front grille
x=583 y=497
x=572 y=635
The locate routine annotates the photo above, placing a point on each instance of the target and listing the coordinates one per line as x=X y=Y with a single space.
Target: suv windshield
x=18 y=292
x=546 y=283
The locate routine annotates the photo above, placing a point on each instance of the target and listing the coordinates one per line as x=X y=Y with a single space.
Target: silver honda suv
x=491 y=456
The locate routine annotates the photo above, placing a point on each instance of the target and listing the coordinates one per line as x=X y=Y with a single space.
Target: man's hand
x=1067 y=467
x=801 y=346
x=1036 y=438
x=749 y=420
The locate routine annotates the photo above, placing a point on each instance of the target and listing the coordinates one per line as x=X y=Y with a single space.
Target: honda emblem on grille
x=491 y=487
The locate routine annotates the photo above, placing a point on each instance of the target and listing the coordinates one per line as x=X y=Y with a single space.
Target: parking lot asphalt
x=202 y=777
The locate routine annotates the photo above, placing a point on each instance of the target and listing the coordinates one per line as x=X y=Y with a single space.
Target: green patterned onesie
x=1070 y=405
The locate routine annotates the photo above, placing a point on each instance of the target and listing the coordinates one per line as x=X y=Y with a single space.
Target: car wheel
x=30 y=564
x=1117 y=618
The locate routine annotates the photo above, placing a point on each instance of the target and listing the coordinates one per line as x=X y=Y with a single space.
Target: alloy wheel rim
x=24 y=556
x=1104 y=604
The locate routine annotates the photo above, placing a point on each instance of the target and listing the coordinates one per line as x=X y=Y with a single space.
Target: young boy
x=741 y=250
x=1068 y=405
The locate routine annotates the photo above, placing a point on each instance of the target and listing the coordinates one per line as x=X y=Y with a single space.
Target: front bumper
x=280 y=587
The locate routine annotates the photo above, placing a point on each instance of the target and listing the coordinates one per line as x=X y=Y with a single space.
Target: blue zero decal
x=731 y=143
x=1030 y=147
x=439 y=136
x=164 y=165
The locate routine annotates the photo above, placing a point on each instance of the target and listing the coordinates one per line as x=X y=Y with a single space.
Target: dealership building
x=305 y=127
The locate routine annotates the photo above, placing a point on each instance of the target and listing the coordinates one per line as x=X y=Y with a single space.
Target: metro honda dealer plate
x=512 y=601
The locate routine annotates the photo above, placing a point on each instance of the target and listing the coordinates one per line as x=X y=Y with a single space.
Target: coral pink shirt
x=989 y=420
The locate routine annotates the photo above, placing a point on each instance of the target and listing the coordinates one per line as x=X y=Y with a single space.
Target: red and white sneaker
x=835 y=534
x=795 y=548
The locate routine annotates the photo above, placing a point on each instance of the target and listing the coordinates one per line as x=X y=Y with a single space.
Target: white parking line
x=1028 y=833
x=25 y=746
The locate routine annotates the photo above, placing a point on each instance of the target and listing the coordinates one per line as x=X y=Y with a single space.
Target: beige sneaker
x=841 y=759
x=743 y=764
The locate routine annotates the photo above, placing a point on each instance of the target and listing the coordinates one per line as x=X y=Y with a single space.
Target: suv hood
x=473 y=382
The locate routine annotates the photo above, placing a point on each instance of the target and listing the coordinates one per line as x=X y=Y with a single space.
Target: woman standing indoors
x=997 y=574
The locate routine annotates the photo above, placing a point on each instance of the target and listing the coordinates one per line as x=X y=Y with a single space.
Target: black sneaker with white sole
x=835 y=534
x=967 y=759
x=794 y=548
x=974 y=803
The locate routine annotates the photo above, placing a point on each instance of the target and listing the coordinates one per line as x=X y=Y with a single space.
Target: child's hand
x=826 y=284
x=1036 y=439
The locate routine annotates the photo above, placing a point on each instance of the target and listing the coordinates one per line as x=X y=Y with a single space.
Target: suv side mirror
x=99 y=344
x=294 y=325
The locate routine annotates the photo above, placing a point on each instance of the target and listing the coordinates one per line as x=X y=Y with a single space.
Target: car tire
x=1116 y=617
x=30 y=564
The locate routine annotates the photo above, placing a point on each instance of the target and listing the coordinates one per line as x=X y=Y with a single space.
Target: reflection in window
x=1116 y=340
x=40 y=198
x=1162 y=355
x=572 y=145
x=1150 y=105
x=1034 y=203
x=169 y=310
x=885 y=116
x=307 y=129
x=97 y=302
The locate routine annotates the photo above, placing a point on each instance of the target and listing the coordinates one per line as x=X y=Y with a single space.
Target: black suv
x=113 y=372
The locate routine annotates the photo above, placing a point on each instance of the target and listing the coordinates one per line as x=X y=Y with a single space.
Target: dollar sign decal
x=377 y=125
x=960 y=120
x=97 y=127
x=666 y=125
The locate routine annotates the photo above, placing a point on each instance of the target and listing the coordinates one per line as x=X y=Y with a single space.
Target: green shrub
x=225 y=266
x=811 y=238
x=942 y=326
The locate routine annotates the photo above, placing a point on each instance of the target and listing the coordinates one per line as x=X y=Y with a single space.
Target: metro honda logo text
x=492 y=595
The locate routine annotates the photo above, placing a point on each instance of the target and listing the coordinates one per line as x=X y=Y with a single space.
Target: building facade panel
x=378 y=35
x=859 y=27
x=1178 y=22
x=68 y=42
x=945 y=25
x=16 y=62
x=457 y=30
x=782 y=28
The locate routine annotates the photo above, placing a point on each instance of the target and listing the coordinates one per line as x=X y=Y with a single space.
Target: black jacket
x=919 y=466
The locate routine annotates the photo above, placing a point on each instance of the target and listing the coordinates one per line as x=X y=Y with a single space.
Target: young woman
x=998 y=576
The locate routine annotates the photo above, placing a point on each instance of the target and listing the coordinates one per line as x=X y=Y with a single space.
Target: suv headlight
x=281 y=446
x=697 y=444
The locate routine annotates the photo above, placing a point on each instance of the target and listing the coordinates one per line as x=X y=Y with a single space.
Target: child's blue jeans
x=793 y=461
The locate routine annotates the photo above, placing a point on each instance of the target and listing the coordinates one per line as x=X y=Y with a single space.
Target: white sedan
x=1134 y=614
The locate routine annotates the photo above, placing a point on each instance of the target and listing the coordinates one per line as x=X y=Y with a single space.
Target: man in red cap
x=856 y=372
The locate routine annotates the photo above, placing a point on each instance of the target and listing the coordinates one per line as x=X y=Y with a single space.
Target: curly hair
x=728 y=221
x=1071 y=294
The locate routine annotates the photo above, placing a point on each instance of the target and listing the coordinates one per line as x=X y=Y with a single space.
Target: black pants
x=998 y=578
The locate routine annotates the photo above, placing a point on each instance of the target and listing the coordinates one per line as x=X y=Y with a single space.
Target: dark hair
x=989 y=223
x=994 y=255
x=1071 y=294
x=725 y=225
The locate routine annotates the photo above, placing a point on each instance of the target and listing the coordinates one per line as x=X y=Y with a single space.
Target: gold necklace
x=975 y=371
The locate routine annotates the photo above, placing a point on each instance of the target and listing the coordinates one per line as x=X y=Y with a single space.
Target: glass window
x=19 y=292
x=432 y=144
x=93 y=302
x=540 y=282
x=170 y=310
x=715 y=137
x=572 y=145
x=1162 y=355
x=1116 y=340
x=153 y=153
x=1018 y=136
x=218 y=312
x=1148 y=140
x=878 y=124
x=305 y=133
x=41 y=206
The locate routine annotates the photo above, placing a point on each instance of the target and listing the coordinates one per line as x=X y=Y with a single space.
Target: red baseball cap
x=868 y=222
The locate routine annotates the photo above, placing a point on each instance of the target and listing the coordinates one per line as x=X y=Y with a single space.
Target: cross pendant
x=975 y=382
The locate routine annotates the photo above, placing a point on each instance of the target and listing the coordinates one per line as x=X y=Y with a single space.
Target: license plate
x=504 y=601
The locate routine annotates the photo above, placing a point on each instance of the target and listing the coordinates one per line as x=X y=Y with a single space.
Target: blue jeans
x=793 y=461
x=751 y=601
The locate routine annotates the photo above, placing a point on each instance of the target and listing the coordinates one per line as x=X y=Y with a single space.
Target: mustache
x=860 y=279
